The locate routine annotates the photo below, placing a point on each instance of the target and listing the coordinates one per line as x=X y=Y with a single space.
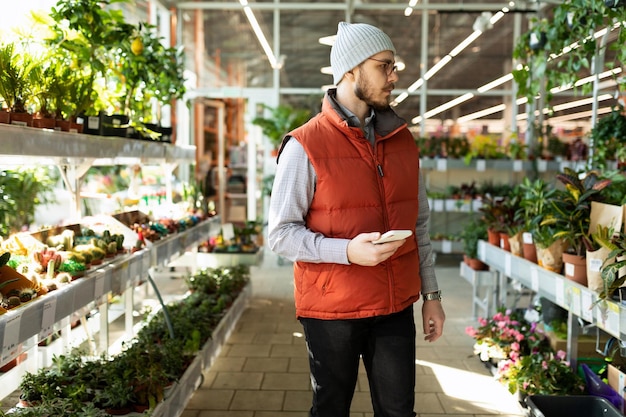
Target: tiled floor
x=262 y=370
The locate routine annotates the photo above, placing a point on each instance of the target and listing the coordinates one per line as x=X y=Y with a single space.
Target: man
x=345 y=177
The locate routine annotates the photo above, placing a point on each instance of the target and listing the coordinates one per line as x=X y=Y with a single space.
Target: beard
x=364 y=91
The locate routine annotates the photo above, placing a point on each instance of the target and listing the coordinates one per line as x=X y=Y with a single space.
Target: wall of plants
x=83 y=58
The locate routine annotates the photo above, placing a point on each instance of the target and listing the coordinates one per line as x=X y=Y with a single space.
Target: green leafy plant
x=610 y=270
x=568 y=214
x=19 y=73
x=473 y=231
x=281 y=121
x=608 y=138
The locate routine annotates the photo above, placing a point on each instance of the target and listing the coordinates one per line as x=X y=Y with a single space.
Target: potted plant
x=568 y=216
x=535 y=195
x=611 y=271
x=608 y=138
x=19 y=72
x=473 y=231
x=282 y=120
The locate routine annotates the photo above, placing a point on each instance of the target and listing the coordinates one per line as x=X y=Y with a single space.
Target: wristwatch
x=432 y=296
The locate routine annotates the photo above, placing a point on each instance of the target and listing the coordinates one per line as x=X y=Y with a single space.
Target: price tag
x=10 y=342
x=613 y=319
x=518 y=165
x=534 y=279
x=586 y=306
x=481 y=251
x=124 y=274
x=542 y=165
x=527 y=237
x=560 y=292
x=594 y=264
x=575 y=301
x=507 y=265
x=442 y=164
x=481 y=165
x=48 y=318
x=99 y=288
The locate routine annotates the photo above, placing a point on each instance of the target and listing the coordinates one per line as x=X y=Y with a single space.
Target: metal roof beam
x=464 y=7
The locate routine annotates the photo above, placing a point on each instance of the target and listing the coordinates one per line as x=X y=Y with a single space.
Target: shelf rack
x=578 y=300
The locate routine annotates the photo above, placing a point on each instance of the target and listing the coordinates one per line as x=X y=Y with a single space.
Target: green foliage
x=615 y=260
x=474 y=230
x=19 y=73
x=146 y=365
x=609 y=137
x=568 y=214
x=569 y=23
x=22 y=190
x=281 y=121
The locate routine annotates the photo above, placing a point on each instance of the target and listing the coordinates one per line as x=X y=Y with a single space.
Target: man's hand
x=361 y=250
x=433 y=318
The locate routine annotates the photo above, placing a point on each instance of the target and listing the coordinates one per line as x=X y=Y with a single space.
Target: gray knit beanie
x=354 y=44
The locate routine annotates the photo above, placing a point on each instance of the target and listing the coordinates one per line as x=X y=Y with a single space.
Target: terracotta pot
x=575 y=268
x=515 y=244
x=528 y=247
x=21 y=119
x=44 y=122
x=504 y=242
x=475 y=264
x=493 y=237
x=68 y=126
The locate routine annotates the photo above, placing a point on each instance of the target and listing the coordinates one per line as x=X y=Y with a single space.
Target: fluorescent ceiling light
x=408 y=11
x=259 y=35
x=444 y=107
x=495 y=83
x=581 y=102
x=481 y=113
x=465 y=42
x=580 y=115
x=328 y=40
x=435 y=68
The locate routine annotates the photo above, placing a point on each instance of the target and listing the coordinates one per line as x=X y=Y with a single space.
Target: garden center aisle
x=262 y=370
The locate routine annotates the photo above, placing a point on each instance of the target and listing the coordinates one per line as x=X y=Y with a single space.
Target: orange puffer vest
x=359 y=189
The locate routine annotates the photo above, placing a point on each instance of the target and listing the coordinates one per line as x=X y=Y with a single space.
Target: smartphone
x=392 y=235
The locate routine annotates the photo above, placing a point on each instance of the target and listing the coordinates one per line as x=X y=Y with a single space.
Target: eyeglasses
x=389 y=67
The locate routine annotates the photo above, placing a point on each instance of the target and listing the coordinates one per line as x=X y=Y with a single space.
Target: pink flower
x=561 y=355
x=471 y=331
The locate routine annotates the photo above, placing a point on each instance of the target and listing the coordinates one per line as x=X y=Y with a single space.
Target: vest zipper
x=380 y=170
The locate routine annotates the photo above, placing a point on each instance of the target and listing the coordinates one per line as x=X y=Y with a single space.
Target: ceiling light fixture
x=443 y=107
x=495 y=83
x=260 y=36
x=580 y=115
x=487 y=20
x=481 y=113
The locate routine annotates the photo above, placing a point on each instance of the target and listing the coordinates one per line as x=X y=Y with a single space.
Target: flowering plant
x=526 y=362
x=541 y=373
x=506 y=335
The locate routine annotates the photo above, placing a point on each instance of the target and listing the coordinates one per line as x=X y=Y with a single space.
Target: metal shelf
x=26 y=144
x=580 y=301
x=116 y=276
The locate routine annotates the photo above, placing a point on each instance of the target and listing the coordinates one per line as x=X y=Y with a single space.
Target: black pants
x=387 y=346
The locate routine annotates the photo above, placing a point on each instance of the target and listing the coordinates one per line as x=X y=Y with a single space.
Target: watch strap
x=431 y=296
